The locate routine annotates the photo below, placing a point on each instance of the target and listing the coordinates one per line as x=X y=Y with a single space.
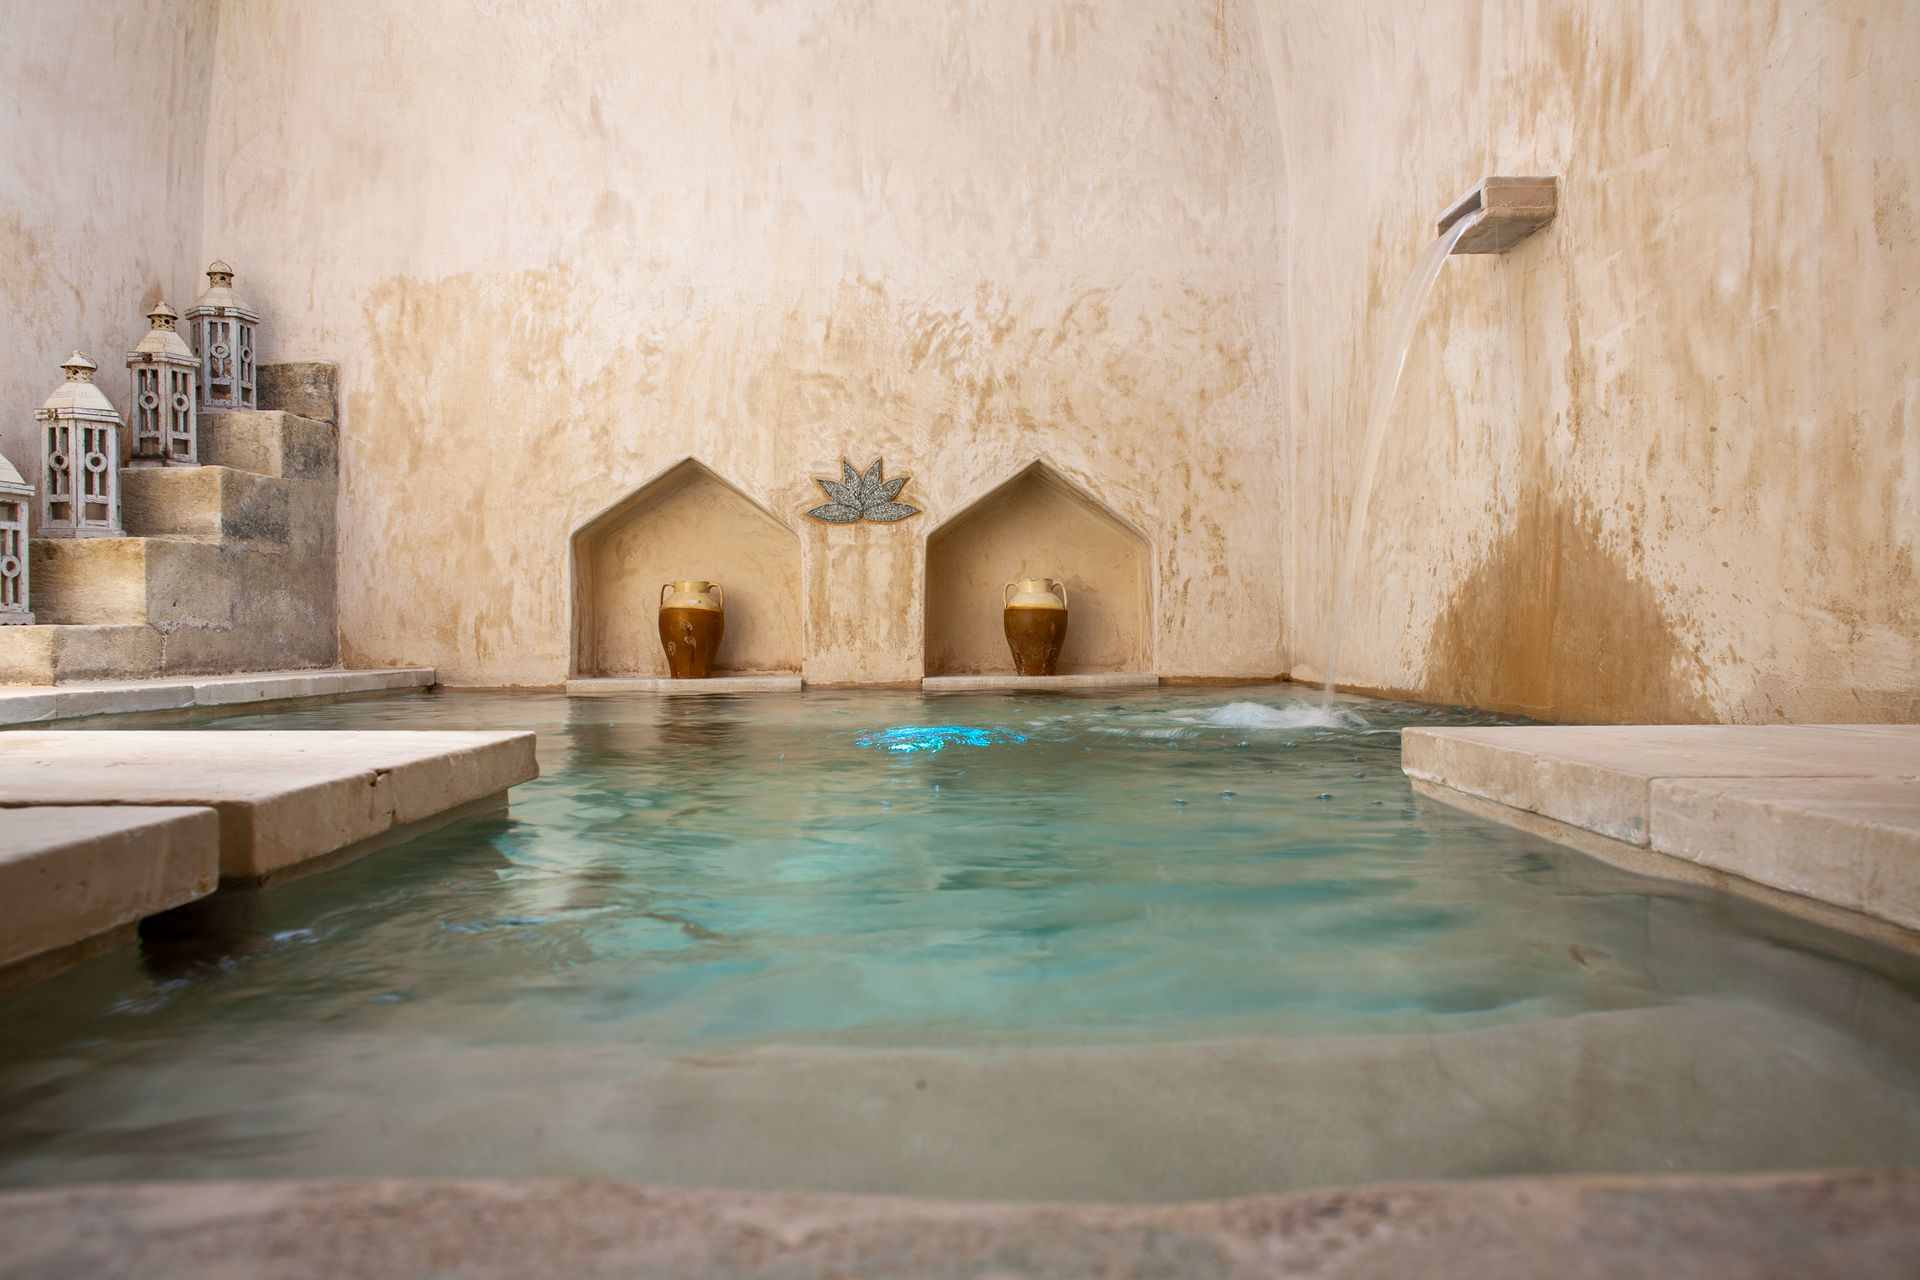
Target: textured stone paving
x=1860 y=1225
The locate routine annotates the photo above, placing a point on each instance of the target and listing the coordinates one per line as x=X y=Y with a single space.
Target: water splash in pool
x=1260 y=715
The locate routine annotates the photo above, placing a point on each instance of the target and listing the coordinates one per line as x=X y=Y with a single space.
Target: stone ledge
x=609 y=686
x=1864 y=1225
x=71 y=874
x=1000 y=682
x=284 y=797
x=1852 y=842
x=39 y=704
x=1830 y=813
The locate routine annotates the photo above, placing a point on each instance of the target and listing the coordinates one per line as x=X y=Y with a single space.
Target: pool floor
x=1159 y=945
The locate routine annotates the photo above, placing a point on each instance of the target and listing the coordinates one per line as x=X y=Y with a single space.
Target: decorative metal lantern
x=164 y=419
x=15 y=494
x=222 y=327
x=79 y=458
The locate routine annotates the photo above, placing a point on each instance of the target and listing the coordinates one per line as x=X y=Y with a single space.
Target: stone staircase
x=229 y=566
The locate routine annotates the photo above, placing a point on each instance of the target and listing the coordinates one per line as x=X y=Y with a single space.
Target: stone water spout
x=1494 y=216
x=1505 y=211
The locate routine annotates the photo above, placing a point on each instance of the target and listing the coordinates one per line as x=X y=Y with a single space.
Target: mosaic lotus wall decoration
x=858 y=496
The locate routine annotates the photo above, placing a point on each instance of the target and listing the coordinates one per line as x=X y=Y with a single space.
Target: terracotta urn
x=1035 y=614
x=692 y=620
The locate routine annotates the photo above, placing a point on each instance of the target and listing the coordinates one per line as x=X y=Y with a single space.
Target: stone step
x=102 y=581
x=44 y=655
x=236 y=507
x=283 y=635
x=269 y=442
x=305 y=387
x=73 y=878
x=285 y=797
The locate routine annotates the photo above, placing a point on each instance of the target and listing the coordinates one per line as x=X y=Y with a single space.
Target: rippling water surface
x=773 y=883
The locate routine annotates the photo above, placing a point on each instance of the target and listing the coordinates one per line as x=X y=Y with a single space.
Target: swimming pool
x=1172 y=944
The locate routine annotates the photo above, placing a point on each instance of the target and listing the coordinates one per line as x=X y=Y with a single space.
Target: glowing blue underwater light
x=936 y=737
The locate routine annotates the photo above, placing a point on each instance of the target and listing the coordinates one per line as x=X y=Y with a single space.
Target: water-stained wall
x=558 y=246
x=1661 y=462
x=103 y=109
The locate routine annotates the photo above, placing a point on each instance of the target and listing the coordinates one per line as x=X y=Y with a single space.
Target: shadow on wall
x=686 y=523
x=1037 y=524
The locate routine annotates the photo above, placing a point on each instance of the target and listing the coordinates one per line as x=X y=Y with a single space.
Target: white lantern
x=15 y=494
x=222 y=328
x=164 y=431
x=79 y=458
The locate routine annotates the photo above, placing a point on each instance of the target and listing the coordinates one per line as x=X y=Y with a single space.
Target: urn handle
x=1061 y=587
x=665 y=588
x=719 y=593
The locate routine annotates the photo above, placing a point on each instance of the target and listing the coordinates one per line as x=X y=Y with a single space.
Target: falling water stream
x=1386 y=380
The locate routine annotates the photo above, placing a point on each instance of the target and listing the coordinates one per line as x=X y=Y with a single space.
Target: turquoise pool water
x=717 y=936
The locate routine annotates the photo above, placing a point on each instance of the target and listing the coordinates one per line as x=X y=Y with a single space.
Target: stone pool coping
x=1007 y=682
x=1862 y=1224
x=39 y=704
x=102 y=828
x=610 y=686
x=1822 y=819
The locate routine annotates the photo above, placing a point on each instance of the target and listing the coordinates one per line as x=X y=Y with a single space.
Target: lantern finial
x=78 y=367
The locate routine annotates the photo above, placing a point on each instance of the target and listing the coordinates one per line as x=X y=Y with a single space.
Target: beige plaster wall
x=686 y=525
x=557 y=246
x=1037 y=527
x=103 y=109
x=1661 y=462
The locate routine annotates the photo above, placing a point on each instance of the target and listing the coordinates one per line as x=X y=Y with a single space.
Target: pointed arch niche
x=1038 y=524
x=686 y=523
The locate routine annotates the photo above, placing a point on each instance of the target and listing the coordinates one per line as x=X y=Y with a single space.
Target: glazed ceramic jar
x=692 y=620
x=1034 y=611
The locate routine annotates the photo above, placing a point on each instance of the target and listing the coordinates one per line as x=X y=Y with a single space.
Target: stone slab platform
x=998 y=682
x=38 y=704
x=284 y=798
x=609 y=686
x=1861 y=1225
x=69 y=875
x=1829 y=813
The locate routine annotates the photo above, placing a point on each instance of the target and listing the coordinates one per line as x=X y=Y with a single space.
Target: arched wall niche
x=685 y=523
x=1038 y=524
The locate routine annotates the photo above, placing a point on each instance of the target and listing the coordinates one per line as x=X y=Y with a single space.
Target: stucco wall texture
x=559 y=246
x=1659 y=463
x=1662 y=461
x=103 y=112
